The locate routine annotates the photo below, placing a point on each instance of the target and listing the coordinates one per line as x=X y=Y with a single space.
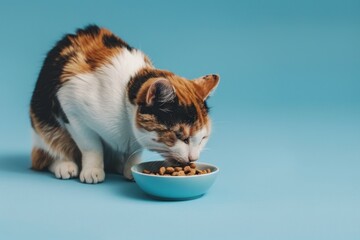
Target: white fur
x=197 y=143
x=64 y=169
x=191 y=151
x=97 y=107
x=38 y=142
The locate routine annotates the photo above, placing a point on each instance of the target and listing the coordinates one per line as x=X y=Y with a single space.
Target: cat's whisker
x=176 y=156
x=158 y=149
x=134 y=152
x=137 y=140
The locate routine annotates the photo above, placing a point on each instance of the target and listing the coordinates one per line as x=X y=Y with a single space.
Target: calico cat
x=98 y=102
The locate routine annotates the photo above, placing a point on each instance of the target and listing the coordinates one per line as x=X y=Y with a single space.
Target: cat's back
x=92 y=62
x=86 y=51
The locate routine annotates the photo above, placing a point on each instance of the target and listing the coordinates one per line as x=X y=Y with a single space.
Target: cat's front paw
x=135 y=159
x=127 y=174
x=92 y=175
x=64 y=169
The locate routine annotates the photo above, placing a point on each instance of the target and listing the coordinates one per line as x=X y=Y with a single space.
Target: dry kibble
x=162 y=170
x=188 y=170
x=178 y=169
x=170 y=170
x=192 y=172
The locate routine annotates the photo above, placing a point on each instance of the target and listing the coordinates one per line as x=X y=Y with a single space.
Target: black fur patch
x=89 y=30
x=111 y=41
x=32 y=123
x=173 y=114
x=44 y=102
x=138 y=80
x=206 y=107
x=60 y=112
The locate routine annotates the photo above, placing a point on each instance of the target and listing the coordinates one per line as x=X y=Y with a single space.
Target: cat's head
x=171 y=114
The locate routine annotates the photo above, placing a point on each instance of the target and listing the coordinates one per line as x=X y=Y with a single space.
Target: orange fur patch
x=149 y=123
x=86 y=53
x=40 y=159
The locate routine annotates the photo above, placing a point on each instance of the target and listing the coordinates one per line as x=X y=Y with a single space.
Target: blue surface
x=286 y=120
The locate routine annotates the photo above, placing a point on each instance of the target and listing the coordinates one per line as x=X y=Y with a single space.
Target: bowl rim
x=175 y=177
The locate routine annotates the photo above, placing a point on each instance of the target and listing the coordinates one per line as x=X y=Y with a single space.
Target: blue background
x=286 y=120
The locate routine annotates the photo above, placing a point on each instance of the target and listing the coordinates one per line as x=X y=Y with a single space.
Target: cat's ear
x=160 y=91
x=206 y=84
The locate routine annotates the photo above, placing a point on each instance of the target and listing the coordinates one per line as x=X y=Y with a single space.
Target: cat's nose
x=193 y=158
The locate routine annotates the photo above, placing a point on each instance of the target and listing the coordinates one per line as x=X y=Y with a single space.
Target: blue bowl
x=173 y=187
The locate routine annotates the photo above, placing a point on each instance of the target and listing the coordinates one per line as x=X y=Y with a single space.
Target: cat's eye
x=178 y=135
x=186 y=140
x=204 y=137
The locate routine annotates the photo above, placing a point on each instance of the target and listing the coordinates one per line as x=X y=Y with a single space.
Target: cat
x=98 y=102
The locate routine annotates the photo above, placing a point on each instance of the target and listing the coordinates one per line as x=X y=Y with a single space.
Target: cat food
x=162 y=170
x=187 y=170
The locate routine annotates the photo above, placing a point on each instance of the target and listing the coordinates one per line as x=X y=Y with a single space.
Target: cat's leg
x=64 y=168
x=91 y=149
x=55 y=150
x=133 y=159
